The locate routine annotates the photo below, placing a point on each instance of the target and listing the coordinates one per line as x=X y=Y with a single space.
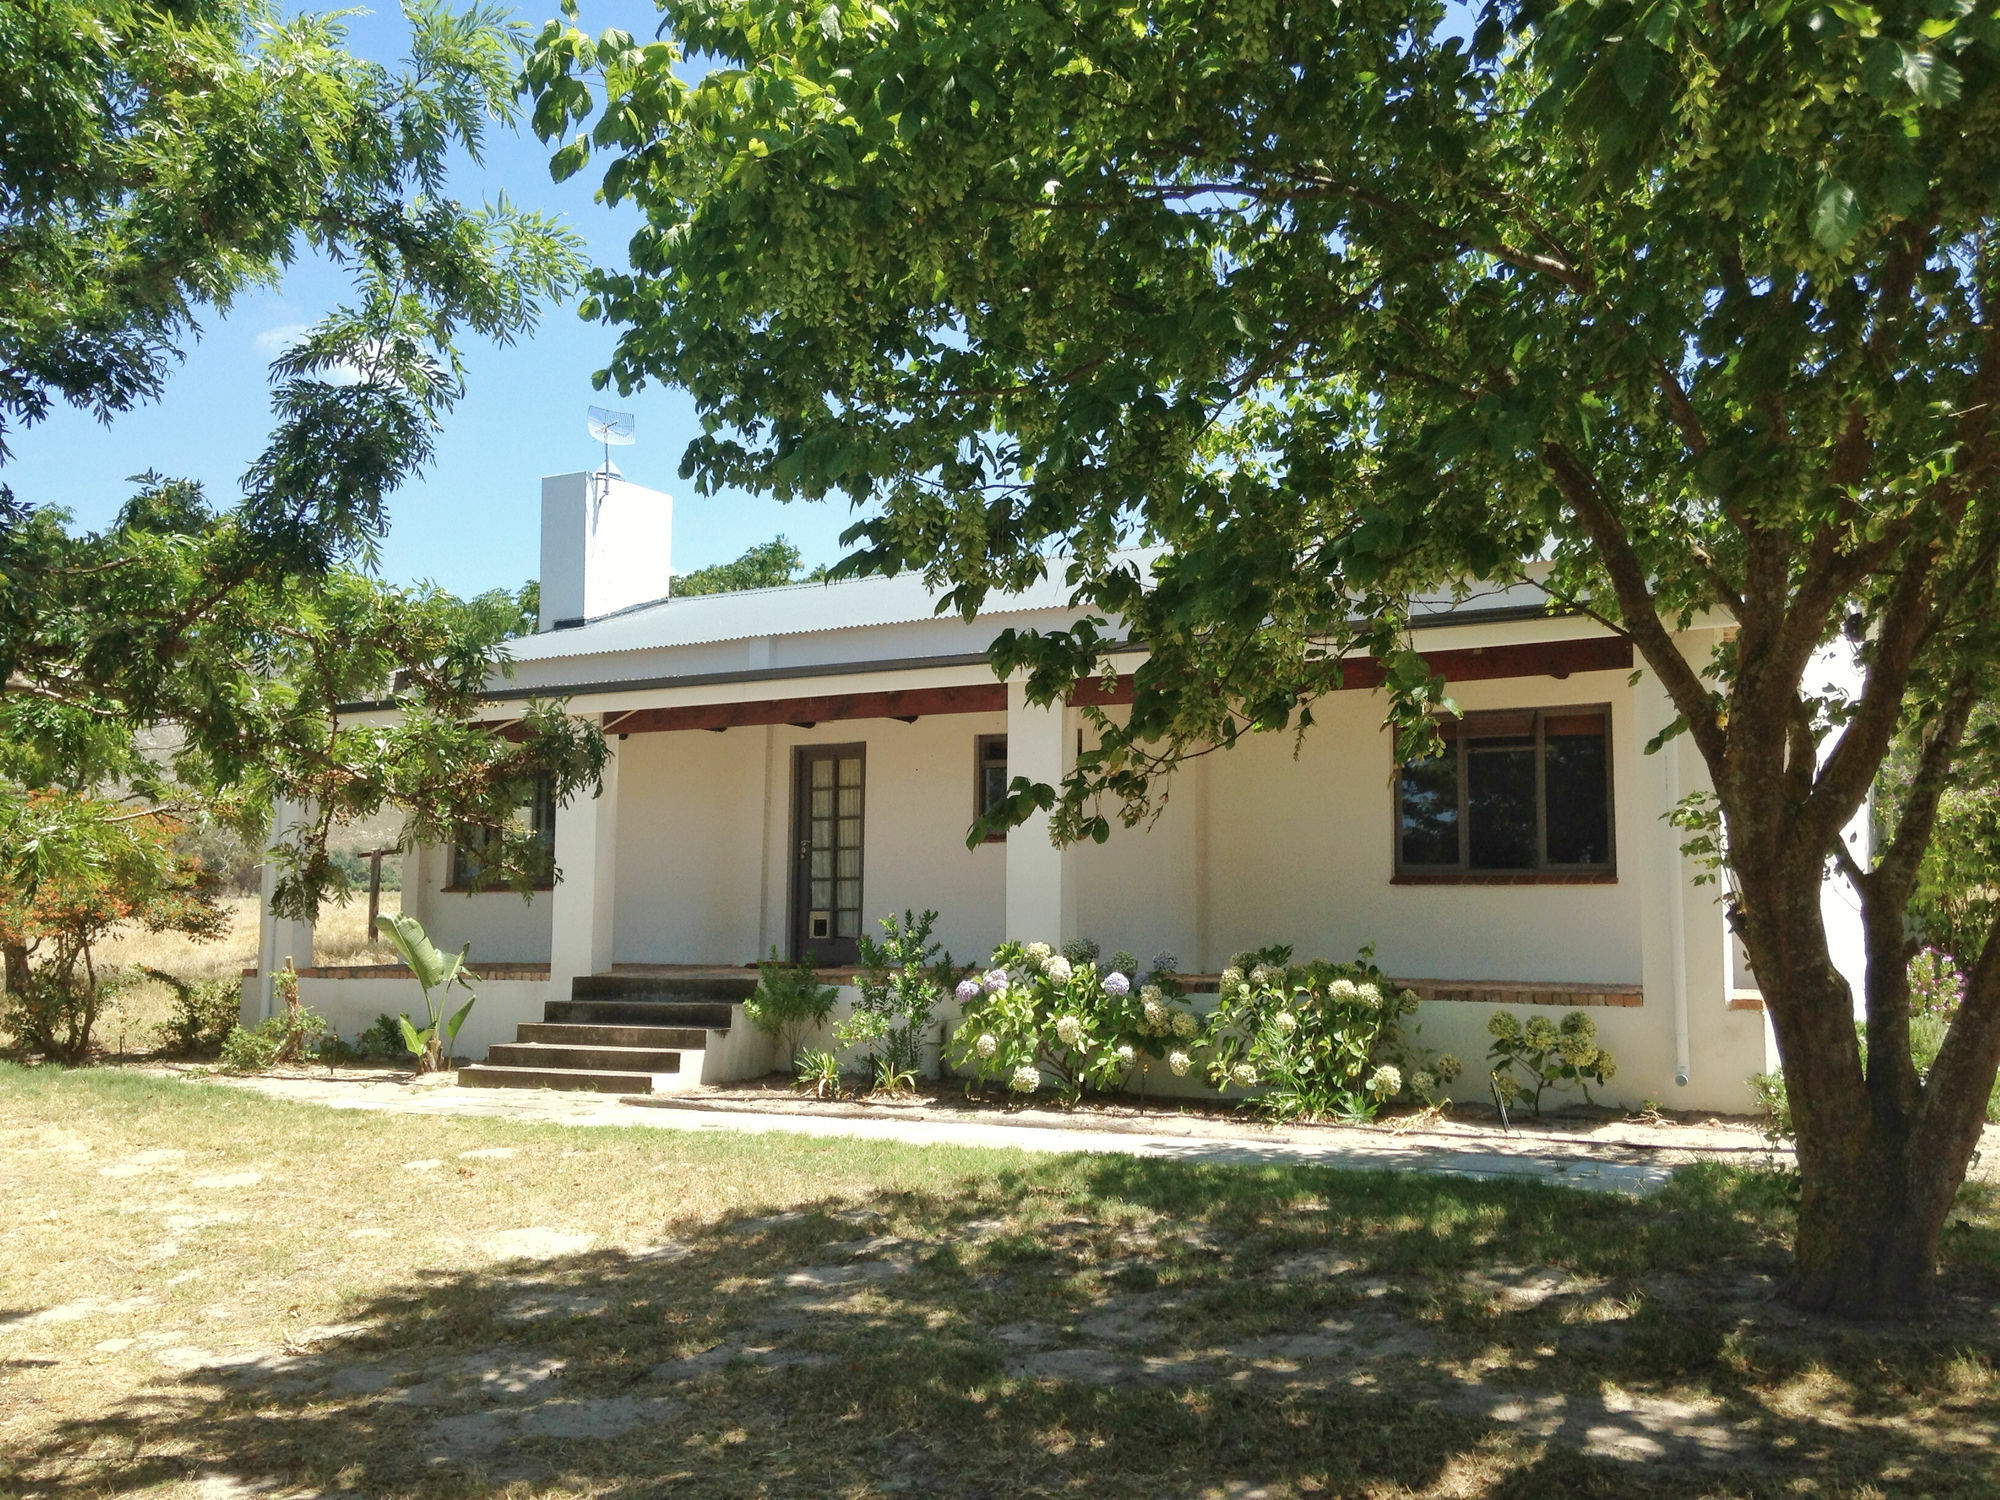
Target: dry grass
x=207 y=1290
x=342 y=937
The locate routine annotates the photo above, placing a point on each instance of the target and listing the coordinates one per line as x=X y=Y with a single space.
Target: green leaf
x=1836 y=215
x=1632 y=67
x=406 y=935
x=458 y=1020
x=413 y=1039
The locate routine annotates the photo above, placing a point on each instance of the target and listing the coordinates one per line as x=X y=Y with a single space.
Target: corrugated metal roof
x=859 y=603
x=794 y=609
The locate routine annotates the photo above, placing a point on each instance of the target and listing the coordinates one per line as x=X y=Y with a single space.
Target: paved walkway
x=1599 y=1168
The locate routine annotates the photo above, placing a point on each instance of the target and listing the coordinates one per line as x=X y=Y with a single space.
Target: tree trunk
x=1880 y=1157
x=1868 y=1234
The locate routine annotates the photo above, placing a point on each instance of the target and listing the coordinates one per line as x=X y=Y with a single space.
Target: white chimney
x=607 y=544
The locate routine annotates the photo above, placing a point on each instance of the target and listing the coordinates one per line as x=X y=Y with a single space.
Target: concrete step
x=698 y=1014
x=670 y=1038
x=488 y=1076
x=531 y=1054
x=711 y=987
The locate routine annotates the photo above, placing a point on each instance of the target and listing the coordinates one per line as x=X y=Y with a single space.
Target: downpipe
x=1677 y=920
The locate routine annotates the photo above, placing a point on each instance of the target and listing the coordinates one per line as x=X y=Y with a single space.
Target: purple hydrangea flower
x=996 y=981
x=1117 y=984
x=968 y=991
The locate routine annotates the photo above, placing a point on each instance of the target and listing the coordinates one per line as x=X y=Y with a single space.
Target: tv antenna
x=610 y=427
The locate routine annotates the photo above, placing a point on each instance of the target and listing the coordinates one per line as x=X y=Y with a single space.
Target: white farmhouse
x=789 y=765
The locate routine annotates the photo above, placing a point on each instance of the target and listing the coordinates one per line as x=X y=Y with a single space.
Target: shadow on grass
x=1101 y=1326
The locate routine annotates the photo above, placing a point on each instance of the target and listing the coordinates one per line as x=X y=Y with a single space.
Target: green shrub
x=1774 y=1104
x=273 y=1040
x=903 y=980
x=54 y=1011
x=383 y=1038
x=789 y=998
x=1316 y=1040
x=1549 y=1055
x=205 y=1012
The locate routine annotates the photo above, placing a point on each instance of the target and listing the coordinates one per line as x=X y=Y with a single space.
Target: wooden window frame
x=979 y=744
x=460 y=882
x=1542 y=872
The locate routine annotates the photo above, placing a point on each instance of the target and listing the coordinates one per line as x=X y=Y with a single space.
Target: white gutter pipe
x=1677 y=919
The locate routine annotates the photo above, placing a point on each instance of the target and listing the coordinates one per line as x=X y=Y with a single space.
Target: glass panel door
x=826 y=886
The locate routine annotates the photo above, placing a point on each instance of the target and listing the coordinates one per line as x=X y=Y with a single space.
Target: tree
x=1332 y=305
x=767 y=565
x=197 y=660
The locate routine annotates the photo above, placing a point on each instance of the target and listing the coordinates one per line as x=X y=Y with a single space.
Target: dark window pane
x=1500 y=799
x=1430 y=810
x=1578 y=770
x=992 y=786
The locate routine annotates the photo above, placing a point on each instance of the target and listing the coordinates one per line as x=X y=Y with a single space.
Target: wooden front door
x=827 y=802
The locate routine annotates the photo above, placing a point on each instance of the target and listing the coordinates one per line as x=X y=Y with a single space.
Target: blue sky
x=471 y=522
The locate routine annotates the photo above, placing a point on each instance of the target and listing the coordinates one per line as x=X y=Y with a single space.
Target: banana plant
x=436 y=973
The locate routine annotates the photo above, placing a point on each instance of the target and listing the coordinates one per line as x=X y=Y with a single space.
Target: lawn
x=203 y=1291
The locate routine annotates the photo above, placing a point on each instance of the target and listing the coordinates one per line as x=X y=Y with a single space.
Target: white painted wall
x=501 y=926
x=607 y=544
x=690 y=847
x=351 y=1006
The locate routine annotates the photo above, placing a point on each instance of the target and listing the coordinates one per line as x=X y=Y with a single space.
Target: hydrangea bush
x=1317 y=1040
x=1037 y=1018
x=1529 y=1059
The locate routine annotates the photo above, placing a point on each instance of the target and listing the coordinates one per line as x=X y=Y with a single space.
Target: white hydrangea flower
x=1385 y=1082
x=1243 y=1075
x=1117 y=984
x=987 y=1045
x=1058 y=969
x=1421 y=1083
x=969 y=990
x=995 y=981
x=1038 y=953
x=1027 y=1078
x=1369 y=996
x=1286 y=1022
x=1341 y=989
x=1259 y=977
x=1156 y=1014
x=1231 y=977
x=1180 y=1062
x=1070 y=1029
x=1152 y=994
x=1185 y=1025
x=1127 y=1054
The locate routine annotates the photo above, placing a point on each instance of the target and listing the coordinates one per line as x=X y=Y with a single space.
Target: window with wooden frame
x=537 y=816
x=1520 y=794
x=989 y=779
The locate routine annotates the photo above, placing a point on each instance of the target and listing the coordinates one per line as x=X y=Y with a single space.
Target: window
x=989 y=786
x=1517 y=793
x=537 y=815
